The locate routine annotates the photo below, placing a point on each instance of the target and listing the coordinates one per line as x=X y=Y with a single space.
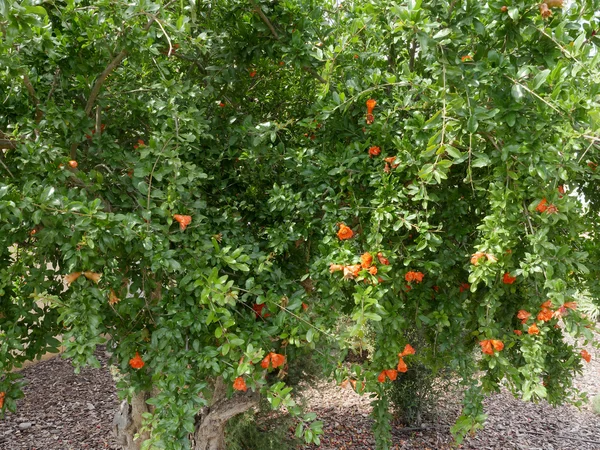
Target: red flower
x=140 y=143
x=382 y=259
x=542 y=206
x=366 y=260
x=304 y=306
x=518 y=332
x=464 y=287
x=2 y=395
x=561 y=190
x=253 y=74
x=258 y=310
x=374 y=151
x=221 y=105
x=586 y=356
x=344 y=232
x=136 y=362
x=239 y=384
x=592 y=165
x=552 y=209
x=184 y=221
x=73 y=164
x=275 y=359
x=507 y=279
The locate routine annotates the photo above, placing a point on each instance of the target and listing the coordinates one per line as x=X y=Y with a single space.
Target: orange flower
x=253 y=74
x=504 y=9
x=414 y=276
x=221 y=105
x=370 y=105
x=586 y=356
x=518 y=332
x=486 y=347
x=466 y=58
x=392 y=374
x=491 y=258
x=408 y=350
x=402 y=367
x=73 y=164
x=545 y=315
x=140 y=143
x=561 y=190
x=370 y=119
x=523 y=315
x=571 y=305
x=2 y=395
x=464 y=287
x=382 y=259
x=542 y=206
x=354 y=269
x=136 y=362
x=507 y=279
x=546 y=304
x=533 y=329
x=374 y=151
x=476 y=257
x=344 y=232
x=498 y=345
x=275 y=359
x=373 y=270
x=304 y=306
x=72 y=277
x=239 y=384
x=92 y=276
x=112 y=298
x=366 y=260
x=545 y=11
x=184 y=221
x=552 y=209
x=335 y=268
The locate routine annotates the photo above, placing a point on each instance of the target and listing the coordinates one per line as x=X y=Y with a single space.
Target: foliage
x=121 y=119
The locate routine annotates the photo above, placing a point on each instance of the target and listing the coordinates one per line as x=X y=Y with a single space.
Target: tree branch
x=265 y=19
x=34 y=98
x=314 y=73
x=100 y=81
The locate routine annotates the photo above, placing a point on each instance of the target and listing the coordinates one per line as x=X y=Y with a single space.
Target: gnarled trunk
x=210 y=423
x=128 y=421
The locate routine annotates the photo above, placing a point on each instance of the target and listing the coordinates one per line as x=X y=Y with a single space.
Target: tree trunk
x=210 y=423
x=128 y=421
x=210 y=426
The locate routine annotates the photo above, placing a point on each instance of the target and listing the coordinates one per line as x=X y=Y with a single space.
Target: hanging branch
x=265 y=19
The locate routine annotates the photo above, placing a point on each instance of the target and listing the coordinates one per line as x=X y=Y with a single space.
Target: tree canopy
x=220 y=189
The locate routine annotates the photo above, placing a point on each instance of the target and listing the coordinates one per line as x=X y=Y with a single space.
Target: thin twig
x=536 y=95
x=4 y=165
x=152 y=174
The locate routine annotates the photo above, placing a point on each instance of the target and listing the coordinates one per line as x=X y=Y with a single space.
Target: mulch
x=65 y=411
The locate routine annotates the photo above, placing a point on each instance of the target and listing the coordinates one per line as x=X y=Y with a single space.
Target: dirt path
x=64 y=411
